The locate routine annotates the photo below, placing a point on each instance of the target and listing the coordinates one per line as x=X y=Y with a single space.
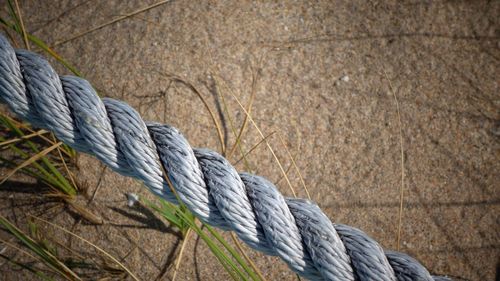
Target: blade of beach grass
x=26 y=170
x=401 y=190
x=267 y=142
x=247 y=258
x=30 y=160
x=231 y=124
x=45 y=175
x=13 y=122
x=60 y=180
x=42 y=45
x=68 y=172
x=168 y=211
x=181 y=252
x=21 y=22
x=219 y=253
x=255 y=147
x=48 y=258
x=132 y=275
x=31 y=269
x=292 y=159
x=85 y=212
x=243 y=127
x=18 y=139
x=172 y=213
x=282 y=176
x=216 y=250
x=231 y=250
x=249 y=108
x=203 y=100
x=186 y=218
x=111 y=22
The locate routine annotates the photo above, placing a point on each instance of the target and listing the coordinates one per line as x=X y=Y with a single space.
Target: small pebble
x=132 y=198
x=344 y=78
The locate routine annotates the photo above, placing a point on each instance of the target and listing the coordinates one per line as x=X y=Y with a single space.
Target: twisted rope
x=294 y=229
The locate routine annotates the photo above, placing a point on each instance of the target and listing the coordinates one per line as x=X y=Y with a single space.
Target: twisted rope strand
x=296 y=230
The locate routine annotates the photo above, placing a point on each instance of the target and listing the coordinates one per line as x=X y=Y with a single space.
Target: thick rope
x=296 y=230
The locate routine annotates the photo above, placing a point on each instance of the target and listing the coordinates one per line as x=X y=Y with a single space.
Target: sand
x=326 y=76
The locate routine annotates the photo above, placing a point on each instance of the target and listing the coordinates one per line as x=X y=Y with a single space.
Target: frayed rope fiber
x=296 y=230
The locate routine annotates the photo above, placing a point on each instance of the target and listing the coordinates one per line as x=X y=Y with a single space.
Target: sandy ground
x=322 y=75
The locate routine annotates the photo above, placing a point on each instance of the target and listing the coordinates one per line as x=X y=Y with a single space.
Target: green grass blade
x=44 y=176
x=60 y=181
x=181 y=212
x=16 y=27
x=226 y=262
x=50 y=260
x=233 y=252
x=167 y=213
x=29 y=268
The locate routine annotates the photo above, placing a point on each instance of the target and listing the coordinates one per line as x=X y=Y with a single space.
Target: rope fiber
x=296 y=230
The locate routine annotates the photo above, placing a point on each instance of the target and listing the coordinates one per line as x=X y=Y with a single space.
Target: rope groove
x=296 y=230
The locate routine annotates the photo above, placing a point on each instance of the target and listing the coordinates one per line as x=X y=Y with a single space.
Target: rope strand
x=296 y=230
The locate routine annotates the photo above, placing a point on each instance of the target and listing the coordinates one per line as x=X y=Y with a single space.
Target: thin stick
x=110 y=22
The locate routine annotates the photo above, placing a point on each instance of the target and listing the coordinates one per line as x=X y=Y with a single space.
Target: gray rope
x=294 y=229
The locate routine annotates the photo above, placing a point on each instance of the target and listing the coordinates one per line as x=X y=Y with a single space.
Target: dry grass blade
x=267 y=144
x=23 y=30
x=11 y=38
x=25 y=126
x=245 y=120
x=203 y=100
x=238 y=144
x=91 y=244
x=254 y=147
x=255 y=75
x=401 y=191
x=295 y=166
x=247 y=258
x=111 y=22
x=31 y=160
x=231 y=123
x=283 y=175
x=86 y=214
x=40 y=250
x=20 y=250
x=29 y=136
x=30 y=268
x=64 y=163
x=181 y=252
